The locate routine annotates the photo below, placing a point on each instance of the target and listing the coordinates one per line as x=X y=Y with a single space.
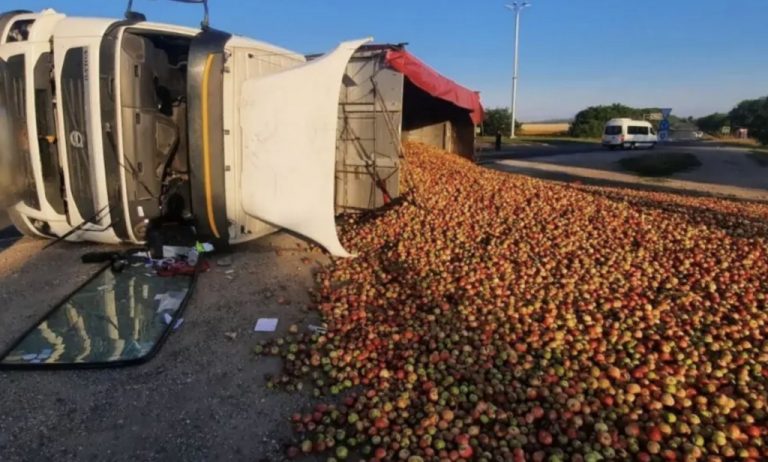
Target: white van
x=628 y=133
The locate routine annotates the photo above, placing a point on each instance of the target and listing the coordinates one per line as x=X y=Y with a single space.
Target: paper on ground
x=171 y=251
x=265 y=325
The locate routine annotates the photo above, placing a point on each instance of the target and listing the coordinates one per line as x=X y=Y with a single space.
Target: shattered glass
x=114 y=318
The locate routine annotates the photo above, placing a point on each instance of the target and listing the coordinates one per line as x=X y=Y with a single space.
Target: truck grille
x=74 y=96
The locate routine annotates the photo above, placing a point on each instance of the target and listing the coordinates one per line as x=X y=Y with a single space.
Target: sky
x=695 y=56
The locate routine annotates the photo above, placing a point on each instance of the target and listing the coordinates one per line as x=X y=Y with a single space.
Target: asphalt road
x=202 y=398
x=8 y=234
x=533 y=149
x=726 y=170
x=538 y=149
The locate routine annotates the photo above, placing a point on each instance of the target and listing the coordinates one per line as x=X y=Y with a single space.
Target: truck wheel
x=653 y=146
x=633 y=146
x=20 y=224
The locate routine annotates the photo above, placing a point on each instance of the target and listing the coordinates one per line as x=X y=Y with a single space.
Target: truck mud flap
x=114 y=319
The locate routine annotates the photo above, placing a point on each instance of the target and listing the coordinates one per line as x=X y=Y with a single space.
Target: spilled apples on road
x=496 y=317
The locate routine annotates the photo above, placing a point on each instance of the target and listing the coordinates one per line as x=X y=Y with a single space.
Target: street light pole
x=517 y=7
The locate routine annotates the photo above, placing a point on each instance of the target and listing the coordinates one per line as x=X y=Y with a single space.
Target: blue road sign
x=664 y=125
x=663 y=135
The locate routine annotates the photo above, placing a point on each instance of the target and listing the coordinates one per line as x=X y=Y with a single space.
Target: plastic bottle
x=192 y=257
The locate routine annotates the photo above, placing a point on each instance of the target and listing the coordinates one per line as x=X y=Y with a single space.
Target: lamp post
x=516 y=7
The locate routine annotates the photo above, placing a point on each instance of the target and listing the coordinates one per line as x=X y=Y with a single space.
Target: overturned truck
x=106 y=125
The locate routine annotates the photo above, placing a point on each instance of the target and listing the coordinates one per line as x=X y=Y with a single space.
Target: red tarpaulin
x=435 y=84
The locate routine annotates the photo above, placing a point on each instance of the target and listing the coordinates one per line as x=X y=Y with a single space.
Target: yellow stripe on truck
x=207 y=148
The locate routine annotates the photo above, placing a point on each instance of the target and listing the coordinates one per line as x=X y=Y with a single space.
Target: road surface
x=531 y=149
x=726 y=170
x=203 y=397
x=8 y=234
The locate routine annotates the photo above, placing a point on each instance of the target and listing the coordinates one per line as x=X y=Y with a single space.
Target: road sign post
x=664 y=125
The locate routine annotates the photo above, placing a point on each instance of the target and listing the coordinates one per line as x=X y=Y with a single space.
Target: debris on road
x=265 y=325
x=171 y=300
x=317 y=329
x=122 y=313
x=171 y=251
x=225 y=261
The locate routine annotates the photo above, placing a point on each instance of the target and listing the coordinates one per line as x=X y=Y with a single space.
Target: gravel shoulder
x=203 y=397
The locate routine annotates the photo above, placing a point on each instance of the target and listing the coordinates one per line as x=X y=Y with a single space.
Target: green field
x=539 y=139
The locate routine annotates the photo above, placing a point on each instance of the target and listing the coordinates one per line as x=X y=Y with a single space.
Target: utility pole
x=517 y=8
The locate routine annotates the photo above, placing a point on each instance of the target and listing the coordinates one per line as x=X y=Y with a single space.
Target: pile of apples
x=491 y=316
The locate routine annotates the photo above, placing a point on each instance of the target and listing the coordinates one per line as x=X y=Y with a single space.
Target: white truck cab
x=113 y=122
x=627 y=133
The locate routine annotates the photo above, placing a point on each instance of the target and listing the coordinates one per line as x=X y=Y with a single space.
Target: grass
x=559 y=139
x=760 y=156
x=505 y=140
x=542 y=139
x=740 y=143
x=660 y=164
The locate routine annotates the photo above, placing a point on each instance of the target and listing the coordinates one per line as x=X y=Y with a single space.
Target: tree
x=713 y=123
x=752 y=114
x=498 y=120
x=590 y=122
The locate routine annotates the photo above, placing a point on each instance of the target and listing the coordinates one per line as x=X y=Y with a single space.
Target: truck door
x=288 y=120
